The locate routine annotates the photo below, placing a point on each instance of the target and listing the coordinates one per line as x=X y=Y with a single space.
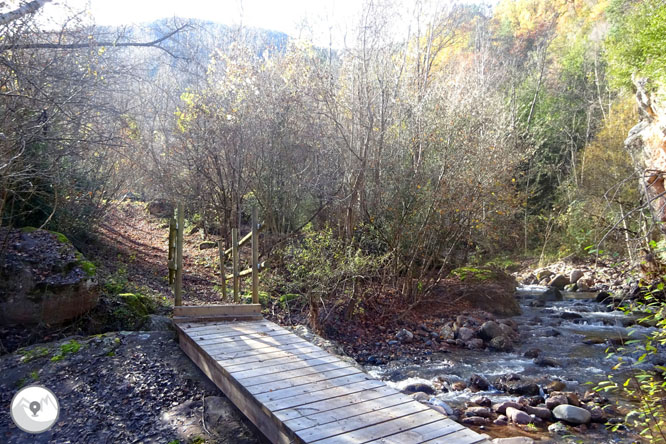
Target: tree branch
x=154 y=43
x=21 y=11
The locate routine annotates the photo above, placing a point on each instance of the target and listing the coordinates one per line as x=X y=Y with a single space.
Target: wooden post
x=234 y=258
x=179 y=255
x=222 y=269
x=172 y=250
x=255 y=258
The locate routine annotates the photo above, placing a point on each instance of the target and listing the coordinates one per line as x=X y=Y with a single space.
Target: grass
x=67 y=348
x=32 y=354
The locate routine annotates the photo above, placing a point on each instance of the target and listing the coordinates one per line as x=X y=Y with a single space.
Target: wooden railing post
x=172 y=250
x=255 y=258
x=234 y=258
x=179 y=255
x=223 y=258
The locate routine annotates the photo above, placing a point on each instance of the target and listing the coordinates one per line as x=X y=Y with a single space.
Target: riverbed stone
x=518 y=416
x=572 y=414
x=404 y=336
x=490 y=330
x=555 y=386
x=543 y=361
x=575 y=275
x=502 y=406
x=550 y=295
x=482 y=401
x=556 y=400
x=570 y=315
x=543 y=273
x=458 y=386
x=420 y=396
x=501 y=420
x=558 y=428
x=478 y=382
x=419 y=387
x=447 y=332
x=465 y=334
x=540 y=412
x=475 y=421
x=484 y=412
x=559 y=282
x=532 y=353
x=501 y=343
x=474 y=344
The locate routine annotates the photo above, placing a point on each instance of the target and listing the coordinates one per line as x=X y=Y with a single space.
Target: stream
x=575 y=332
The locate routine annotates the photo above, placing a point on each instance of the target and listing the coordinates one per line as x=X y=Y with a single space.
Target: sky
x=281 y=15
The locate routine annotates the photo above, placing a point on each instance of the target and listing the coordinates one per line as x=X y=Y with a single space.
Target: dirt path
x=136 y=242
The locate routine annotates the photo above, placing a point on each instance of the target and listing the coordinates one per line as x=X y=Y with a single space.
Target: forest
x=418 y=171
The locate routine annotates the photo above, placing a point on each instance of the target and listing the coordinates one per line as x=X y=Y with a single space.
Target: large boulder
x=572 y=414
x=43 y=278
x=160 y=208
x=646 y=143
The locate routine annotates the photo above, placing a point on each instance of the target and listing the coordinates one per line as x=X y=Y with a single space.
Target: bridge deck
x=294 y=391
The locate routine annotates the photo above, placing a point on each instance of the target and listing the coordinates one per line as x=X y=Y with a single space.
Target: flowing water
x=578 y=345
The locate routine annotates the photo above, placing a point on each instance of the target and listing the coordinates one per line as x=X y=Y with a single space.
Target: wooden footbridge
x=292 y=390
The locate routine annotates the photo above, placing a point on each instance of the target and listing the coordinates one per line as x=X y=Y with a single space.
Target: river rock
x=501 y=343
x=484 y=412
x=547 y=362
x=404 y=336
x=420 y=396
x=483 y=401
x=475 y=421
x=558 y=428
x=490 y=330
x=556 y=400
x=603 y=296
x=555 y=386
x=532 y=353
x=478 y=382
x=540 y=412
x=543 y=273
x=569 y=315
x=550 y=295
x=465 y=334
x=559 y=282
x=441 y=404
x=583 y=284
x=447 y=332
x=458 y=386
x=502 y=406
x=419 y=387
x=575 y=275
x=474 y=344
x=501 y=420
x=572 y=414
x=518 y=416
x=597 y=414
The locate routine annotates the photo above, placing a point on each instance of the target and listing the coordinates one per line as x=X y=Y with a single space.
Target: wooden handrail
x=243 y=241
x=247 y=271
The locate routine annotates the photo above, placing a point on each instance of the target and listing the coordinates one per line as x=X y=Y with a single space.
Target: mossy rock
x=138 y=304
x=474 y=274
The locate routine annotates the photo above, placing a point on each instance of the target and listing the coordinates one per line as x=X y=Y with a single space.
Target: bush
x=327 y=271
